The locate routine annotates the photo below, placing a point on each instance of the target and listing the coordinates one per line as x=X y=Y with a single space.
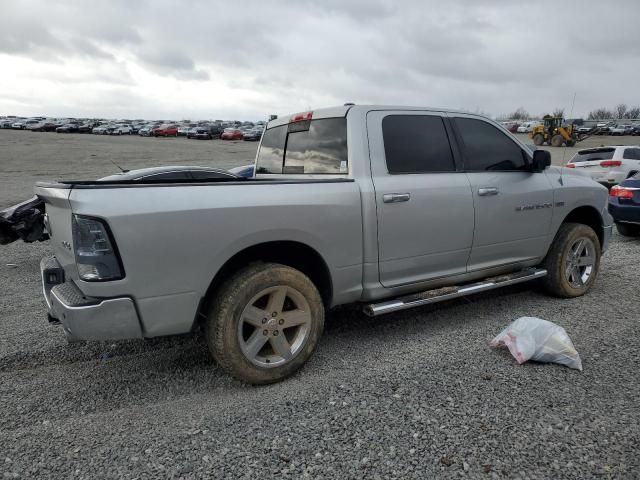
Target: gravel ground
x=416 y=394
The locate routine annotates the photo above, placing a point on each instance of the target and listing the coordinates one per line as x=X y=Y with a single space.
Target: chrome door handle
x=487 y=191
x=396 y=197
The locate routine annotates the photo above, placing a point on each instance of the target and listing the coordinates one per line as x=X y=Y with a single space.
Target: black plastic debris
x=24 y=221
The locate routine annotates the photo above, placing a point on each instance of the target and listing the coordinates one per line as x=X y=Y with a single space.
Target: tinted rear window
x=416 y=144
x=594 y=154
x=315 y=147
x=632 y=154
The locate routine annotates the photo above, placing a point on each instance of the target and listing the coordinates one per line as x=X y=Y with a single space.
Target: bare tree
x=600 y=114
x=558 y=112
x=621 y=110
x=519 y=114
x=633 y=112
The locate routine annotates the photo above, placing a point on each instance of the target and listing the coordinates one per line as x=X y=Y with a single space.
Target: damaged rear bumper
x=83 y=317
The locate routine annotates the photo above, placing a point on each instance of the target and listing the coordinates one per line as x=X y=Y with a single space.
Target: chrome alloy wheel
x=580 y=262
x=274 y=326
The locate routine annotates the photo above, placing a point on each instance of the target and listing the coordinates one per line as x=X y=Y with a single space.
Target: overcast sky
x=246 y=59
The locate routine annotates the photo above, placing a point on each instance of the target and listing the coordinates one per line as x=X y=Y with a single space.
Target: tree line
x=619 y=112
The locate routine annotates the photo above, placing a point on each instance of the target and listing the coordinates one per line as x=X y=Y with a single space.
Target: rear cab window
x=307 y=147
x=416 y=144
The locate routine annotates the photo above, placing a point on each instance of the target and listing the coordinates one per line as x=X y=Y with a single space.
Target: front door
x=513 y=206
x=424 y=201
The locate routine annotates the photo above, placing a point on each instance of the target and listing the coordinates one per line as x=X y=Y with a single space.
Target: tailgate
x=58 y=224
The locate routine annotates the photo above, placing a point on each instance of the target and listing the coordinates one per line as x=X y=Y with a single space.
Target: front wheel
x=573 y=261
x=557 y=141
x=538 y=139
x=265 y=323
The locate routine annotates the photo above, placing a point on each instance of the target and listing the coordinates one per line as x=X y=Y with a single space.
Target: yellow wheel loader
x=554 y=133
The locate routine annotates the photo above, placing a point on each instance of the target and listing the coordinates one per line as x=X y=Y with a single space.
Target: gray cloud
x=492 y=55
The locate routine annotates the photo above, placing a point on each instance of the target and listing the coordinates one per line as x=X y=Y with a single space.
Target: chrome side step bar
x=448 y=293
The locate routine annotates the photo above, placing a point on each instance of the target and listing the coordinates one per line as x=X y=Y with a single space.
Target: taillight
x=301 y=117
x=621 y=192
x=610 y=163
x=570 y=165
x=96 y=256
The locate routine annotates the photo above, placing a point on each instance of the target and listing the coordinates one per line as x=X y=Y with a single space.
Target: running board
x=447 y=293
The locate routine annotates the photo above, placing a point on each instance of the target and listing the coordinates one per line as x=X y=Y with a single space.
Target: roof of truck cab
x=341 y=111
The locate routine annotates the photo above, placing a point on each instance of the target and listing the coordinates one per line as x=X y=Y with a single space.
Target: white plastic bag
x=530 y=338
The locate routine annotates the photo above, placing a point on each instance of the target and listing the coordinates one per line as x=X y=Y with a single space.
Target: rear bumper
x=624 y=213
x=87 y=318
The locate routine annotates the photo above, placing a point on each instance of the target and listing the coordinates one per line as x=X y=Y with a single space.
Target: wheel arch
x=294 y=254
x=587 y=215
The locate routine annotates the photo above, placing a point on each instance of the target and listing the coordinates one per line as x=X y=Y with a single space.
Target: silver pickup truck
x=387 y=207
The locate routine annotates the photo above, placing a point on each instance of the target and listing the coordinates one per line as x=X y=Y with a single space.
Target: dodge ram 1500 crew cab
x=389 y=207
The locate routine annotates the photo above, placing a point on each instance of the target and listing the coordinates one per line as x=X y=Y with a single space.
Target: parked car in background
x=608 y=165
x=525 y=127
x=85 y=128
x=618 y=130
x=624 y=206
x=68 y=128
x=200 y=133
x=6 y=123
x=146 y=130
x=101 y=129
x=603 y=128
x=18 y=125
x=121 y=129
x=253 y=135
x=584 y=129
x=183 y=130
x=232 y=134
x=628 y=129
x=166 y=130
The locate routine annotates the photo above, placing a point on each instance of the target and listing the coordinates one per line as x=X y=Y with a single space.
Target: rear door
x=423 y=199
x=513 y=206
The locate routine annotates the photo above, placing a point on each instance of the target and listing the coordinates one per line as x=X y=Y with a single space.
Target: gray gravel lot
x=416 y=394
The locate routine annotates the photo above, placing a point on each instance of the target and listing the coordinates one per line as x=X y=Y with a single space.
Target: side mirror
x=541 y=160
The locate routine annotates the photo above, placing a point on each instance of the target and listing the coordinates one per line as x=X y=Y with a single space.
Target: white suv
x=526 y=127
x=608 y=165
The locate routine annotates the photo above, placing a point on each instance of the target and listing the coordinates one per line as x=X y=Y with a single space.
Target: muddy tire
x=627 y=230
x=538 y=139
x=573 y=261
x=265 y=323
x=557 y=141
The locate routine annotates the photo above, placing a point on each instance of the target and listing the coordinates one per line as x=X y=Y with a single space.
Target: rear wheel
x=573 y=261
x=628 y=230
x=538 y=139
x=265 y=323
x=557 y=141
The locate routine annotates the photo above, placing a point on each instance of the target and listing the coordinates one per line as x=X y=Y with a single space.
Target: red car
x=166 y=131
x=232 y=134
